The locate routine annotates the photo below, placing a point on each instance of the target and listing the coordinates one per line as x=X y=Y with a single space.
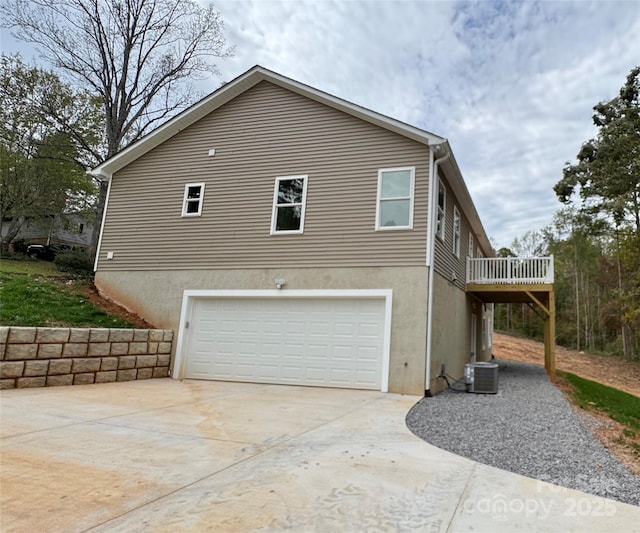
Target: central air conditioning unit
x=481 y=377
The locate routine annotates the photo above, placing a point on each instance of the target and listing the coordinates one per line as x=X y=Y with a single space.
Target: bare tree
x=531 y=244
x=140 y=56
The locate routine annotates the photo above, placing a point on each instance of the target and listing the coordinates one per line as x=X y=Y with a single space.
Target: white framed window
x=479 y=253
x=456 y=232
x=395 y=198
x=442 y=210
x=289 y=199
x=470 y=244
x=192 y=202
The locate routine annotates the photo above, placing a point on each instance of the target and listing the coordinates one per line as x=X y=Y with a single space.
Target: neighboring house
x=292 y=237
x=68 y=228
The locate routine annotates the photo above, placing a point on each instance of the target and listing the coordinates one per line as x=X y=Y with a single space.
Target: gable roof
x=257 y=74
x=238 y=86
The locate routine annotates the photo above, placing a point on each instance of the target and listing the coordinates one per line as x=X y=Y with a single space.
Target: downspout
x=104 y=216
x=433 y=190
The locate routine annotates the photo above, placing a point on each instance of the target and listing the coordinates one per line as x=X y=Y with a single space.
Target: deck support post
x=550 y=338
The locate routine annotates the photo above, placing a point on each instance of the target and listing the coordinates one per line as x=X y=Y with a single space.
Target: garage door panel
x=341 y=376
x=344 y=329
x=267 y=326
x=343 y=353
x=249 y=326
x=247 y=348
x=316 y=374
x=291 y=373
x=292 y=351
x=307 y=341
x=367 y=353
x=269 y=349
x=227 y=326
x=223 y=369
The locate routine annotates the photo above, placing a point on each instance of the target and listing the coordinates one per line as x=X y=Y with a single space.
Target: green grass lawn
x=35 y=293
x=619 y=405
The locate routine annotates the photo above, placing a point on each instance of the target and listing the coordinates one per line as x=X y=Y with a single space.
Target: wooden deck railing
x=510 y=270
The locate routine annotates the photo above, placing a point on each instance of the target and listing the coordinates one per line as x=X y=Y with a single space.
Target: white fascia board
x=100 y=174
x=236 y=87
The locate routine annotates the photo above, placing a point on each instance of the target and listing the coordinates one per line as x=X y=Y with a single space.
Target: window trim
x=457 y=231
x=470 y=252
x=442 y=211
x=274 y=209
x=186 y=201
x=411 y=197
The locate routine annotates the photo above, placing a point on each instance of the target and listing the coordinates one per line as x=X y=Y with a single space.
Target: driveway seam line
x=462 y=496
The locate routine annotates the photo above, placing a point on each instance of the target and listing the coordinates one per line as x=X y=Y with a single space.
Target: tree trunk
x=625 y=348
x=12 y=232
x=577 y=308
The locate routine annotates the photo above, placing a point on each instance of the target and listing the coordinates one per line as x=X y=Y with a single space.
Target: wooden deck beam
x=540 y=304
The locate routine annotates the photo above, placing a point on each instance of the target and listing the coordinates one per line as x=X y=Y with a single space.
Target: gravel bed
x=528 y=428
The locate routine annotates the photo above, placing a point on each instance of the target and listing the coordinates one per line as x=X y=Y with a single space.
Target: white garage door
x=329 y=342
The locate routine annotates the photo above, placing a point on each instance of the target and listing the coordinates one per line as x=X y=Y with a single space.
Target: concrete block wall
x=46 y=357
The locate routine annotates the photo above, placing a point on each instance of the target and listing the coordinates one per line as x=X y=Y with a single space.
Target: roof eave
x=464 y=197
x=176 y=124
x=363 y=113
x=236 y=87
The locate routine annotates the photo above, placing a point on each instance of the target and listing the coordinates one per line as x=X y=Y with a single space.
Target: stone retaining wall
x=46 y=357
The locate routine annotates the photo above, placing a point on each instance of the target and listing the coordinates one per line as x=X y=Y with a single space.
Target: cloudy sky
x=510 y=84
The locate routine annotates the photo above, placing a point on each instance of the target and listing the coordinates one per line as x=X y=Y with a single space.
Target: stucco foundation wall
x=452 y=314
x=157 y=297
x=45 y=357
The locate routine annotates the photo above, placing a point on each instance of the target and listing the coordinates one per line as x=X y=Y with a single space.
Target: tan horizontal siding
x=262 y=134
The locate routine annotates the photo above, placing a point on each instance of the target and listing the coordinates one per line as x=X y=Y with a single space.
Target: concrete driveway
x=169 y=456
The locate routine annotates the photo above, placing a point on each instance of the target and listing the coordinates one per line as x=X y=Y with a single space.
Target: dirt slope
x=114 y=309
x=611 y=371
